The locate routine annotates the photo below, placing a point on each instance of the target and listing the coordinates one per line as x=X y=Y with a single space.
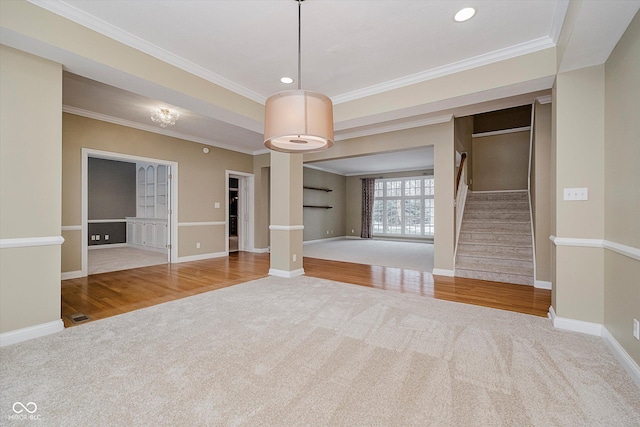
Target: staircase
x=495 y=238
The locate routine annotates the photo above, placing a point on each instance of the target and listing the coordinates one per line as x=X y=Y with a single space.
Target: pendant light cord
x=299 y=44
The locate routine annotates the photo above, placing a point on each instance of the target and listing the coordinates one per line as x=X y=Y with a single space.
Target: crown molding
x=558 y=20
x=375 y=130
x=80 y=17
x=544 y=99
x=149 y=128
x=501 y=132
x=456 y=67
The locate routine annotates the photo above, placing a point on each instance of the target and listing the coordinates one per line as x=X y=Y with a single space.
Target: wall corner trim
x=286 y=227
x=573 y=241
x=310 y=242
x=286 y=274
x=26 y=242
x=621 y=249
x=441 y=272
x=201 y=257
x=542 y=284
x=260 y=250
x=618 y=351
x=618 y=248
x=621 y=354
x=36 y=331
x=66 y=275
x=589 y=328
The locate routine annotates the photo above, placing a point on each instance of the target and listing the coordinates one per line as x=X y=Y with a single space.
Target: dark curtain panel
x=368 y=189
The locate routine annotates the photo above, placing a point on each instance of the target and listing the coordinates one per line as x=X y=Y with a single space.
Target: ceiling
x=395 y=161
x=350 y=49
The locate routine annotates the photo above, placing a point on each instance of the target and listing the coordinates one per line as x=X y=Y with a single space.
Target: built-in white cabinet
x=152 y=191
x=147 y=233
x=148 y=229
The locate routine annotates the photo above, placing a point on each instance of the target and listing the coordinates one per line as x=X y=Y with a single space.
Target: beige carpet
x=416 y=256
x=304 y=351
x=104 y=260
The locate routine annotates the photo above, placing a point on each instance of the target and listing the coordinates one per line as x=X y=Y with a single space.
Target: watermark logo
x=20 y=407
x=22 y=411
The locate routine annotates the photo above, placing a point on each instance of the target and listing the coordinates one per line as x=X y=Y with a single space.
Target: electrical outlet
x=353 y=231
x=97 y=237
x=93 y=237
x=217 y=205
x=106 y=237
x=294 y=257
x=636 y=329
x=576 y=194
x=198 y=245
x=327 y=231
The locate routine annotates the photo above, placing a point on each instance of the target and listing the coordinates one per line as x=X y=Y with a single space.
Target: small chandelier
x=164 y=117
x=298 y=121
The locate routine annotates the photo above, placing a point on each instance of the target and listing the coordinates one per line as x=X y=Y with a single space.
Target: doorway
x=239 y=211
x=233 y=214
x=141 y=230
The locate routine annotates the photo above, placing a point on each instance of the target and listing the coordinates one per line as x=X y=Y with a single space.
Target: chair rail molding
x=616 y=247
x=26 y=242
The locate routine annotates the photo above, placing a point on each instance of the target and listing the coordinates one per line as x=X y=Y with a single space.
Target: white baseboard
x=286 y=274
x=621 y=354
x=323 y=240
x=441 y=272
x=499 y=191
x=260 y=250
x=24 y=334
x=589 y=328
x=71 y=275
x=542 y=284
x=201 y=257
x=108 y=246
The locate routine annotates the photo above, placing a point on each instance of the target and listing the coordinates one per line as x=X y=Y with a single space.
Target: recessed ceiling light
x=464 y=14
x=286 y=80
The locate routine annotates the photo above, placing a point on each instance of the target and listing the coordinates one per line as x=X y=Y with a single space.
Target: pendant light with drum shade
x=298 y=121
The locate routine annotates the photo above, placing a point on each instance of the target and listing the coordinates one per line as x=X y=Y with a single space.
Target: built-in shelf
x=318 y=189
x=316 y=206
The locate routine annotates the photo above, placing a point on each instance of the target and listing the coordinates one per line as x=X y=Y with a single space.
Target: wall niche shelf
x=318 y=207
x=318 y=189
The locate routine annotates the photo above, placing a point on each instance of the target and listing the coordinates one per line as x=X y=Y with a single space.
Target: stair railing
x=461 y=198
x=531 y=166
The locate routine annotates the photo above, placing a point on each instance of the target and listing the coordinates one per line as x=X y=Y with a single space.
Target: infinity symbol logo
x=30 y=407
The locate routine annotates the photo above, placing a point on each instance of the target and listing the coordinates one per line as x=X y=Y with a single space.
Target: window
x=404 y=207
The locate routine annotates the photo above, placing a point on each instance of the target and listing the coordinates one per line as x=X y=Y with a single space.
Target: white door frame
x=172 y=254
x=246 y=212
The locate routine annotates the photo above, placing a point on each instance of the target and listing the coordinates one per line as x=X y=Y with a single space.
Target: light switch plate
x=217 y=205
x=576 y=194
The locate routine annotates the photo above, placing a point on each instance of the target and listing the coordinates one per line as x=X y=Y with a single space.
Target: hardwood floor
x=104 y=295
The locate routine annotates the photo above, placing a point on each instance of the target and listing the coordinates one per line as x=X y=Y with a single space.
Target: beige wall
x=622 y=192
x=30 y=188
x=579 y=154
x=262 y=179
x=201 y=179
x=540 y=187
x=324 y=223
x=501 y=162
